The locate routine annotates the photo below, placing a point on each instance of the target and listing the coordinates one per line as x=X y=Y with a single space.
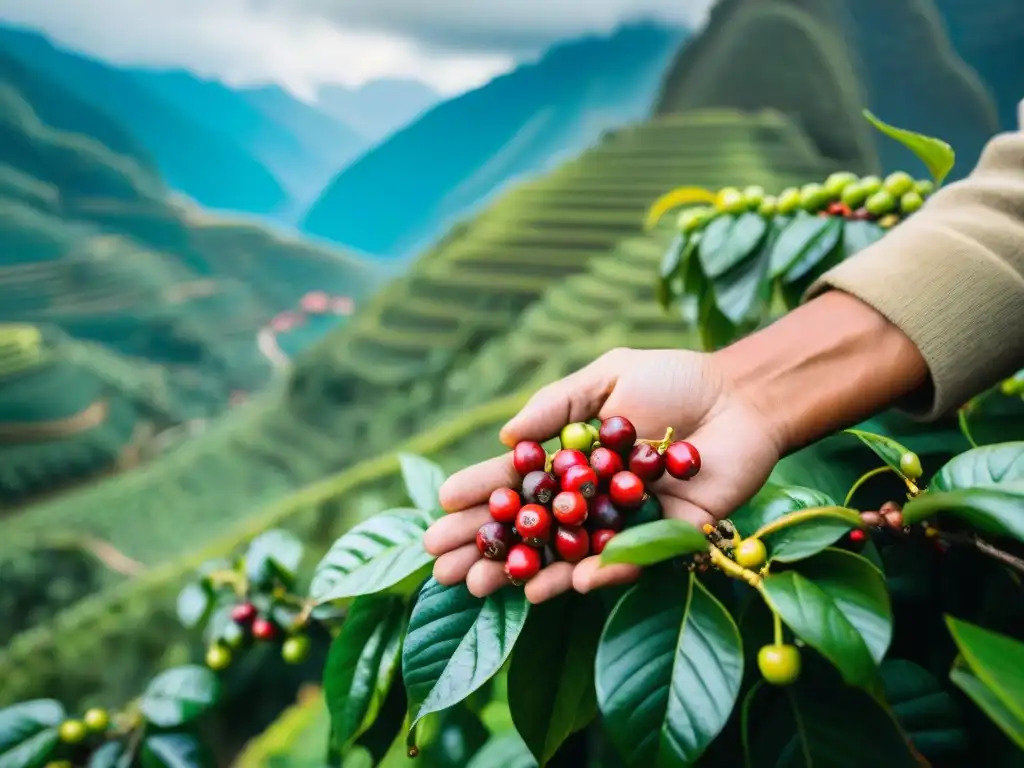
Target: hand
x=654 y=389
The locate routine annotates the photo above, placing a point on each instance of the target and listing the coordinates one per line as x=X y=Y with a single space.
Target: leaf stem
x=972 y=540
x=800 y=516
x=961 y=417
x=863 y=479
x=777 y=626
x=730 y=567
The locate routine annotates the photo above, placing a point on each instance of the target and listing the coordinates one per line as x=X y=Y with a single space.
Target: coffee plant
x=875 y=621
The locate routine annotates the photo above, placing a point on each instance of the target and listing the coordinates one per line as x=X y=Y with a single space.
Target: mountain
x=205 y=164
x=302 y=146
x=379 y=107
x=403 y=192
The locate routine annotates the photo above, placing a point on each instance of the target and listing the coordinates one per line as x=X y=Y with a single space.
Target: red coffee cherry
x=493 y=540
x=617 y=433
x=539 y=487
x=599 y=540
x=523 y=563
x=682 y=460
x=243 y=613
x=569 y=508
x=646 y=463
x=582 y=479
x=572 y=543
x=504 y=504
x=605 y=462
x=626 y=490
x=601 y=513
x=528 y=456
x=857 y=536
x=263 y=629
x=533 y=524
x=564 y=459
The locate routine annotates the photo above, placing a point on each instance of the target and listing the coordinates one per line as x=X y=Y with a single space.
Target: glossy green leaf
x=799 y=238
x=193 y=605
x=362 y=663
x=937 y=156
x=809 y=531
x=672 y=264
x=986 y=700
x=551 y=693
x=858 y=235
x=824 y=243
x=887 y=449
x=423 y=479
x=669 y=668
x=987 y=465
x=995 y=659
x=715 y=329
x=506 y=750
x=28 y=732
x=837 y=603
x=273 y=553
x=738 y=291
x=653 y=542
x=456 y=643
x=729 y=240
x=179 y=695
x=773 y=502
x=172 y=750
x=375 y=555
x=32 y=752
x=110 y=755
x=995 y=510
x=925 y=710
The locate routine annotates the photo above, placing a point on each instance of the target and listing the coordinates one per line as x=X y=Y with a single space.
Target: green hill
x=402 y=194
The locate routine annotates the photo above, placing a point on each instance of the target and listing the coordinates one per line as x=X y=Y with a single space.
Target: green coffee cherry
x=910 y=465
x=838 y=182
x=730 y=200
x=911 y=201
x=218 y=657
x=789 y=200
x=813 y=197
x=881 y=202
x=753 y=197
x=854 y=195
x=898 y=183
x=924 y=187
x=295 y=650
x=889 y=221
x=72 y=731
x=576 y=437
x=692 y=219
x=871 y=184
x=96 y=720
x=768 y=206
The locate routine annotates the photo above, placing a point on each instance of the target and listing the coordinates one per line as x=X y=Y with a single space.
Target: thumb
x=577 y=397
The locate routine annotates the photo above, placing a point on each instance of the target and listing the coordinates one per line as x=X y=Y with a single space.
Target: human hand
x=654 y=389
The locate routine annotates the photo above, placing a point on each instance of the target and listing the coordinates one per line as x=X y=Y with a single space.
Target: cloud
x=451 y=44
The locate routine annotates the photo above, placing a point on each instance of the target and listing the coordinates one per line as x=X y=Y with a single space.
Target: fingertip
x=452 y=567
x=591 y=574
x=485 y=577
x=550 y=582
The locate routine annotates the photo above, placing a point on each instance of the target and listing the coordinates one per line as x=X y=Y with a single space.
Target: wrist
x=825 y=366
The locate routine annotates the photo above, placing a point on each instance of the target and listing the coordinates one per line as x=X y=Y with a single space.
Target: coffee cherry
x=646 y=463
x=838 y=182
x=813 y=197
x=730 y=200
x=911 y=202
x=599 y=540
x=503 y=504
x=682 y=460
x=572 y=543
x=924 y=187
x=605 y=463
x=72 y=731
x=582 y=479
x=263 y=629
x=894 y=518
x=854 y=195
x=910 y=465
x=751 y=553
x=858 y=536
x=626 y=490
x=569 y=508
x=617 y=434
x=523 y=563
x=862 y=214
x=295 y=649
x=243 y=613
x=566 y=458
x=889 y=221
x=233 y=636
x=576 y=437
x=898 y=183
x=789 y=201
x=528 y=456
x=96 y=720
x=601 y=513
x=839 y=209
x=768 y=206
x=690 y=220
x=871 y=184
x=493 y=540
x=880 y=203
x=533 y=524
x=753 y=196
x=779 y=664
x=539 y=487
x=218 y=657
x=59 y=764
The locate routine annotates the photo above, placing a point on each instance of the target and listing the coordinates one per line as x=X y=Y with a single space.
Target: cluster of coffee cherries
x=248 y=625
x=570 y=504
x=85 y=732
x=843 y=194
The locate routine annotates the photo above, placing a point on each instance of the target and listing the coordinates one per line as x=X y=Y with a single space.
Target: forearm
x=826 y=365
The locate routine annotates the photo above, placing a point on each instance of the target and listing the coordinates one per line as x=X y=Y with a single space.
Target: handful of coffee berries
x=570 y=504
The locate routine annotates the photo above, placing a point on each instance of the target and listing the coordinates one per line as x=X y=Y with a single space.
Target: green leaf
x=925 y=710
x=110 y=755
x=653 y=542
x=1005 y=718
x=809 y=531
x=375 y=555
x=799 y=541
x=669 y=668
x=858 y=235
x=937 y=156
x=174 y=750
x=21 y=722
x=729 y=240
x=507 y=750
x=737 y=291
x=672 y=264
x=802 y=236
x=838 y=604
x=361 y=665
x=423 y=479
x=995 y=510
x=273 y=553
x=456 y=642
x=887 y=449
x=996 y=660
x=716 y=330
x=32 y=752
x=988 y=465
x=551 y=694
x=179 y=695
x=193 y=605
x=824 y=243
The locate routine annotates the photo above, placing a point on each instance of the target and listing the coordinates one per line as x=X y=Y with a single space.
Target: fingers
x=550 y=582
x=473 y=485
x=681 y=509
x=589 y=574
x=486 y=577
x=452 y=567
x=454 y=530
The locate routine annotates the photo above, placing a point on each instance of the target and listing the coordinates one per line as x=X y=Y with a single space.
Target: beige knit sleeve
x=952 y=278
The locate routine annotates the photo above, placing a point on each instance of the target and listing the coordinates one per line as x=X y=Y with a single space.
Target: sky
x=452 y=45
